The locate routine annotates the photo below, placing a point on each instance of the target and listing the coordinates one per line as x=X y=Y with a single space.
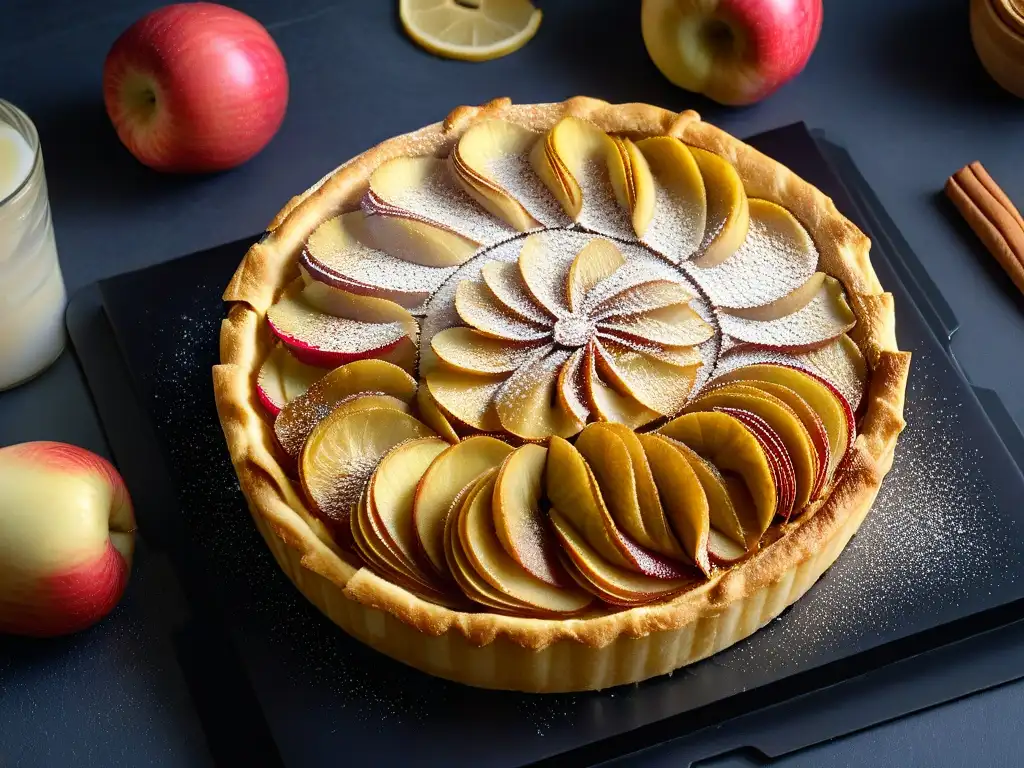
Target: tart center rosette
x=555 y=369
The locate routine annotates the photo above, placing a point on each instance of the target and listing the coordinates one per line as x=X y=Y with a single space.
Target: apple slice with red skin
x=282 y=378
x=824 y=399
x=447 y=475
x=519 y=520
x=775 y=449
x=727 y=443
x=298 y=418
x=612 y=584
x=340 y=455
x=494 y=565
x=572 y=488
x=784 y=422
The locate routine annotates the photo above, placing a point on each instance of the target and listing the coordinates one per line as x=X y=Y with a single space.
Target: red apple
x=195 y=87
x=732 y=51
x=67 y=533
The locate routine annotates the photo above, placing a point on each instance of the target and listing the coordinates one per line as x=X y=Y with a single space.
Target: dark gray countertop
x=896 y=83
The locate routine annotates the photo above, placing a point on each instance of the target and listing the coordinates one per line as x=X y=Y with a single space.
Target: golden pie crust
x=549 y=655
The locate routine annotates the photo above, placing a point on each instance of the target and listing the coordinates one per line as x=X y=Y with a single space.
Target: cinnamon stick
x=992 y=216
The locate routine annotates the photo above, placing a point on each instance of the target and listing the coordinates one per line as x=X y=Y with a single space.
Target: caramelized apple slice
x=777 y=249
x=327 y=341
x=721 y=512
x=605 y=451
x=339 y=253
x=606 y=403
x=369 y=543
x=632 y=182
x=442 y=481
x=521 y=525
x=506 y=283
x=728 y=211
x=428 y=412
x=841 y=364
x=478 y=307
x=660 y=386
x=471 y=351
x=778 y=457
x=421 y=189
x=294 y=429
x=686 y=505
x=302 y=414
x=457 y=561
x=527 y=403
x=466 y=397
x=492 y=161
x=570 y=386
x=679 y=213
x=824 y=318
x=392 y=491
x=831 y=407
x=674 y=326
x=341 y=453
x=282 y=378
x=596 y=261
x=784 y=422
x=486 y=555
x=611 y=583
x=573 y=161
x=725 y=442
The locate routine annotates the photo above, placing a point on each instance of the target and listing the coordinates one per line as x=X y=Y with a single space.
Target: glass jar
x=32 y=295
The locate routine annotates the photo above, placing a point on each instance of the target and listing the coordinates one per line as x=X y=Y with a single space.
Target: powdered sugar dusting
x=297 y=323
x=514 y=174
x=821 y=319
x=676 y=229
x=601 y=212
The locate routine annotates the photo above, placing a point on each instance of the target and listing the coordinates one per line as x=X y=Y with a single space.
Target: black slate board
x=934 y=562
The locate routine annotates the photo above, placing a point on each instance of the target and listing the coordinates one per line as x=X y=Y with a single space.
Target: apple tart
x=559 y=397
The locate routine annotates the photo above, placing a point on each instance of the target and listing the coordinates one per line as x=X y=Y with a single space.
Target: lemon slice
x=471 y=30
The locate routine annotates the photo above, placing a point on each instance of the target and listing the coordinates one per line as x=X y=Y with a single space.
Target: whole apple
x=732 y=51
x=195 y=87
x=67 y=533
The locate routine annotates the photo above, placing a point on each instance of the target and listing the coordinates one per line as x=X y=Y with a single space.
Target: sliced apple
x=792 y=302
x=645 y=296
x=298 y=418
x=674 y=326
x=371 y=548
x=778 y=457
x=783 y=420
x=573 y=162
x=490 y=560
x=527 y=403
x=606 y=453
x=572 y=488
x=341 y=453
x=607 y=404
x=658 y=385
x=682 y=495
x=282 y=378
x=777 y=249
x=478 y=307
x=505 y=282
x=469 y=350
x=824 y=318
x=725 y=442
x=544 y=271
x=519 y=520
x=428 y=412
x=492 y=161
x=596 y=261
x=442 y=481
x=325 y=340
x=728 y=213
x=340 y=253
x=632 y=182
x=725 y=524
x=466 y=397
x=841 y=364
x=676 y=226
x=422 y=190
x=611 y=583
x=571 y=386
x=474 y=586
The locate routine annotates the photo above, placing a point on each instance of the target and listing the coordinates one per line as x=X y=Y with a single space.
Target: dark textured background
x=896 y=83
